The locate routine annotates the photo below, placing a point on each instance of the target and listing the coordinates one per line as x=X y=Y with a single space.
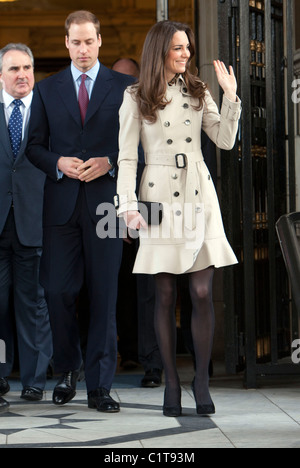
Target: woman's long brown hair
x=150 y=91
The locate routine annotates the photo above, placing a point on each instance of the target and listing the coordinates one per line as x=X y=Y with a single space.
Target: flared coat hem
x=214 y=252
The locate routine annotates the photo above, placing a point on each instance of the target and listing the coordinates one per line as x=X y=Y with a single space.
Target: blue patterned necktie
x=15 y=127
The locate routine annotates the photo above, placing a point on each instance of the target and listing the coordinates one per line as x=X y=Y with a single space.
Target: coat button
x=187 y=123
x=176 y=194
x=167 y=124
x=178 y=213
x=175 y=177
x=189 y=140
x=185 y=90
x=198 y=209
x=151 y=184
x=170 y=142
x=196 y=192
x=186 y=105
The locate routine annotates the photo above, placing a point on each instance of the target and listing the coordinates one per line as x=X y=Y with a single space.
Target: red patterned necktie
x=83 y=98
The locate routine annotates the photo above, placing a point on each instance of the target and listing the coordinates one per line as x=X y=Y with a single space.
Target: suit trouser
x=149 y=355
x=71 y=253
x=127 y=319
x=19 y=274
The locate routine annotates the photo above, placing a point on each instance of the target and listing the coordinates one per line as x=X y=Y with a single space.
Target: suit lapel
x=101 y=88
x=4 y=136
x=66 y=89
x=23 y=144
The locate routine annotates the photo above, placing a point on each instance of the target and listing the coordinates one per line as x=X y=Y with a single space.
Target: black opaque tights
x=202 y=324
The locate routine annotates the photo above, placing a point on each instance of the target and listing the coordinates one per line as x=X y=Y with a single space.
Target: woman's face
x=178 y=55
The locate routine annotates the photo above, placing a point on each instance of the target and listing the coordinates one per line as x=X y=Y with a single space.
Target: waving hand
x=226 y=80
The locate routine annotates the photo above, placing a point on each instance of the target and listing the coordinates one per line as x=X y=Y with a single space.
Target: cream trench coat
x=191 y=236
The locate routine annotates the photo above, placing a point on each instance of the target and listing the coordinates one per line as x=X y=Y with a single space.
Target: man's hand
x=69 y=166
x=93 y=169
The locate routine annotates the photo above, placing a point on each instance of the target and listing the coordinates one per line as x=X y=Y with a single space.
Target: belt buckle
x=183 y=160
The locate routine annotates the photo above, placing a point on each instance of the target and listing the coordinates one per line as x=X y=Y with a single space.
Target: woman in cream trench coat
x=177 y=176
x=190 y=238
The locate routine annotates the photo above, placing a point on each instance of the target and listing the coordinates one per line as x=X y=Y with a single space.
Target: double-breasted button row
x=187 y=122
x=188 y=140
x=176 y=194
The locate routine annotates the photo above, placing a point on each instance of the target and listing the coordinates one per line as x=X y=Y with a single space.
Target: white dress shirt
x=89 y=82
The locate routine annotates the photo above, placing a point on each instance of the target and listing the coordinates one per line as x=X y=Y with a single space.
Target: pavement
x=267 y=417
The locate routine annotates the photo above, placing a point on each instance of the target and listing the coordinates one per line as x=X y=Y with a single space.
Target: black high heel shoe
x=172 y=411
x=203 y=410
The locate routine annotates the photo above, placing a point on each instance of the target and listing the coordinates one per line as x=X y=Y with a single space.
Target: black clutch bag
x=152 y=212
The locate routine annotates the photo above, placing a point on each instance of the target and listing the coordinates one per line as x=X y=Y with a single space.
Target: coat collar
x=178 y=83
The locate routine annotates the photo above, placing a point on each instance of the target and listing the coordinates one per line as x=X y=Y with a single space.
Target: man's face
x=83 y=44
x=17 y=76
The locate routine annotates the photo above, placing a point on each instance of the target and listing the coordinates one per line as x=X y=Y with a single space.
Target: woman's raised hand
x=226 y=79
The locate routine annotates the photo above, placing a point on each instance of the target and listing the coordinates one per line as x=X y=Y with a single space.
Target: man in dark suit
x=74 y=140
x=21 y=202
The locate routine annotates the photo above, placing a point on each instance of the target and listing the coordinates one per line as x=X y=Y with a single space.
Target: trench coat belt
x=183 y=161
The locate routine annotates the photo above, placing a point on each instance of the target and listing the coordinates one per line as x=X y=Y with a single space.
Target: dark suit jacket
x=56 y=130
x=23 y=183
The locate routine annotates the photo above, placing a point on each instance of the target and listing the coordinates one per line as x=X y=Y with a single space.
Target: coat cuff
x=231 y=110
x=124 y=203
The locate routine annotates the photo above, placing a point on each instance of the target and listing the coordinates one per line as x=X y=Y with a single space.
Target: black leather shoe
x=4 y=386
x=4 y=405
x=152 y=379
x=101 y=400
x=32 y=394
x=65 y=389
